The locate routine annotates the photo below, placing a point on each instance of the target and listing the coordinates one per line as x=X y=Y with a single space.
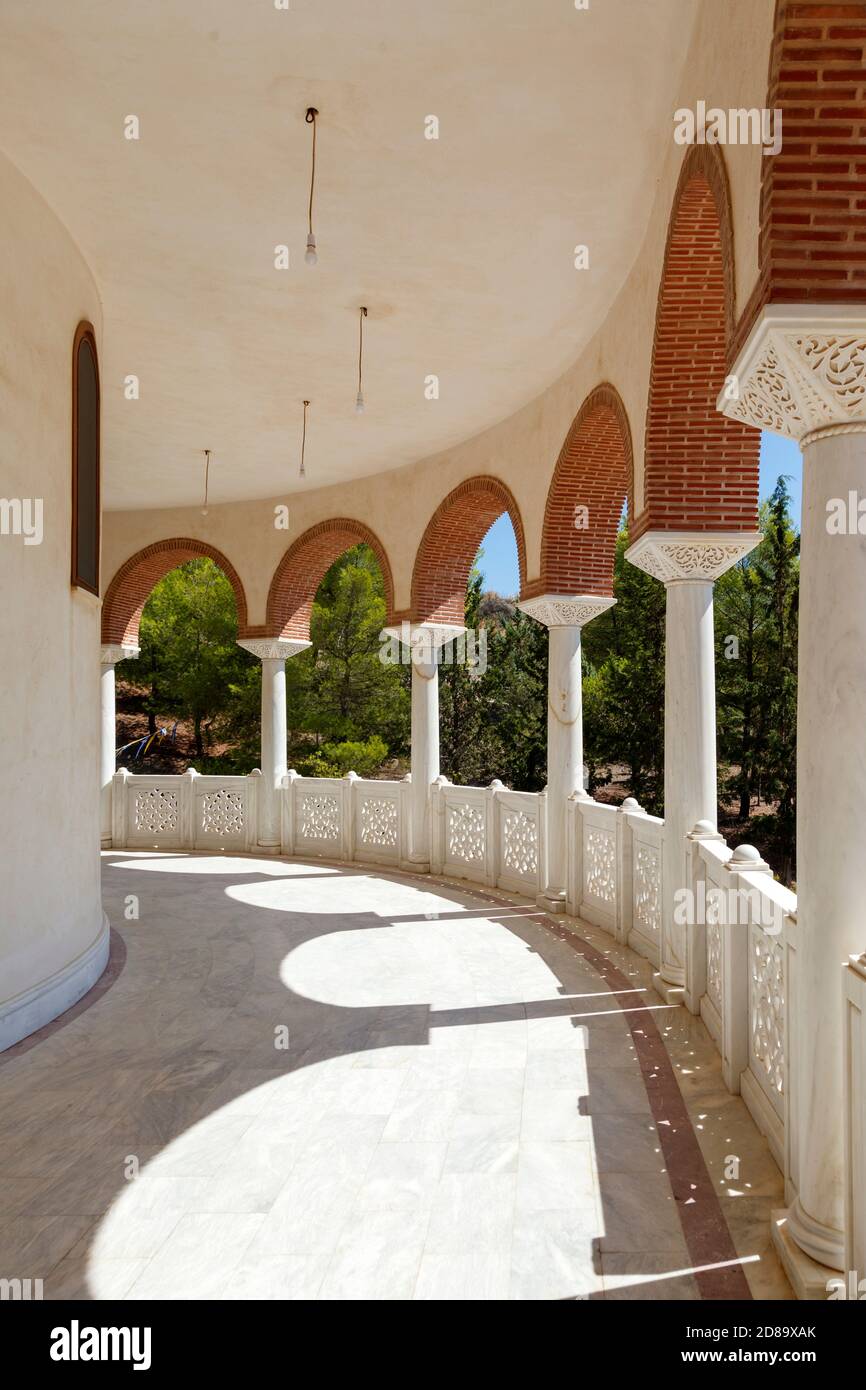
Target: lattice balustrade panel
x=647 y=875
x=714 y=965
x=599 y=864
x=767 y=1010
x=222 y=812
x=379 y=822
x=156 y=812
x=319 y=817
x=466 y=833
x=519 y=843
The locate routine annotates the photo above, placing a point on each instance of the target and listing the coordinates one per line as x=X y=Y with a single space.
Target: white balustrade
x=740 y=925
x=640 y=898
x=184 y=812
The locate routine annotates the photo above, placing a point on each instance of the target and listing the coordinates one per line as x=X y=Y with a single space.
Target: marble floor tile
x=552 y=1255
x=462 y=1112
x=198 y=1258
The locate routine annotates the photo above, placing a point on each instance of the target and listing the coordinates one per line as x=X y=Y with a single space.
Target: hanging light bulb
x=311 y=256
x=359 y=402
x=204 y=509
x=302 y=471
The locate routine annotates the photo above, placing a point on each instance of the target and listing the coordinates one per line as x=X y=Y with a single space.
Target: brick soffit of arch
x=293 y=586
x=499 y=499
x=703 y=163
x=605 y=400
x=811 y=192
x=134 y=582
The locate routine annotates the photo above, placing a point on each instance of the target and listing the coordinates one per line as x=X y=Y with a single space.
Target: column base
x=551 y=900
x=417 y=866
x=106 y=842
x=268 y=849
x=670 y=993
x=809 y=1280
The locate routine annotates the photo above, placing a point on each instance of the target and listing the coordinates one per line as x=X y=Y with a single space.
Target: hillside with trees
x=192 y=697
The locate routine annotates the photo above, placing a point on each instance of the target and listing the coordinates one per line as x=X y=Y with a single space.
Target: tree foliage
x=348 y=709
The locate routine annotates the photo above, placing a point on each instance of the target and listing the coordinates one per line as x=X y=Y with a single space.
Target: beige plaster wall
x=50 y=908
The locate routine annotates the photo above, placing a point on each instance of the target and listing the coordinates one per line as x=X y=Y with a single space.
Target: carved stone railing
x=488 y=835
x=741 y=941
x=739 y=948
x=615 y=871
x=184 y=812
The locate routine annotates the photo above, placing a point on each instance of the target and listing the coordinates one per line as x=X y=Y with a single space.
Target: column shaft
x=831 y=776
x=690 y=747
x=564 y=747
x=273 y=744
x=107 y=745
x=425 y=750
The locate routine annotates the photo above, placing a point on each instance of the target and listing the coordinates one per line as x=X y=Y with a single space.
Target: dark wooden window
x=85 y=460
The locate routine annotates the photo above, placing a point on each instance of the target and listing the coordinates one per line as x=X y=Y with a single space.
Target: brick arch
x=810 y=240
x=594 y=469
x=450 y=543
x=700 y=468
x=304 y=566
x=134 y=582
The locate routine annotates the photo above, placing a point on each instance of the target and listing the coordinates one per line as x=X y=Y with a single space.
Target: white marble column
x=108 y=658
x=272 y=652
x=564 y=616
x=422 y=643
x=687 y=563
x=802 y=374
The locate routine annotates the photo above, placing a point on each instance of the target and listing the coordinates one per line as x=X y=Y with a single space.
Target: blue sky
x=778 y=456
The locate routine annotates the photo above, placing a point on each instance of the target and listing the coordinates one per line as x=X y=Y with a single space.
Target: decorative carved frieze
x=272 y=647
x=110 y=654
x=647 y=889
x=599 y=864
x=379 y=821
x=767 y=1009
x=425 y=636
x=222 y=812
x=520 y=843
x=802 y=369
x=565 y=610
x=701 y=555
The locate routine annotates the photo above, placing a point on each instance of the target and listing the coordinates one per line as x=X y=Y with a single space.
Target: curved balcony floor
x=300 y=1080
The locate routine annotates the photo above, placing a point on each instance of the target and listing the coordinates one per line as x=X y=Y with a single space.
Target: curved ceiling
x=553 y=124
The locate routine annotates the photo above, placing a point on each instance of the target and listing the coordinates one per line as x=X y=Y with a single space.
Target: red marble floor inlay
x=700 y=1212
x=705 y=1230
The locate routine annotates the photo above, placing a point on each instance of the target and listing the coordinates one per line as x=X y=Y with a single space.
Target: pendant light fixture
x=302 y=470
x=204 y=509
x=311 y=256
x=359 y=403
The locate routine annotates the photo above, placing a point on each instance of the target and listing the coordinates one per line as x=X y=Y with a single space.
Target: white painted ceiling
x=553 y=128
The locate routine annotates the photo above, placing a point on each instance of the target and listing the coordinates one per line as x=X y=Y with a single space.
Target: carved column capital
x=801 y=372
x=273 y=647
x=111 y=653
x=677 y=556
x=565 y=610
x=425 y=637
